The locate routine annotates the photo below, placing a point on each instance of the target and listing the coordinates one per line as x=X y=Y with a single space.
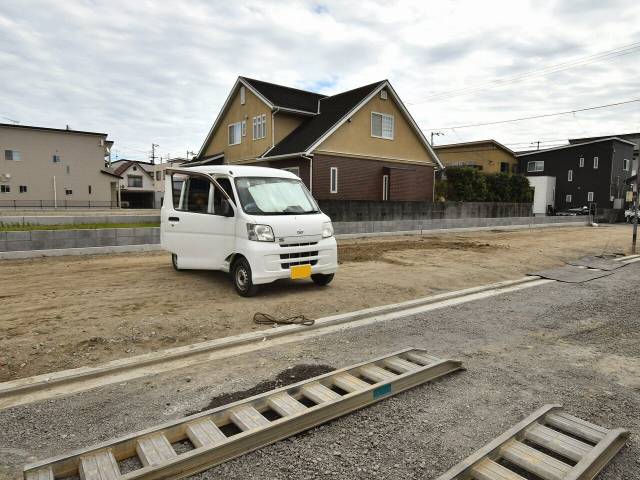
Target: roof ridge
x=371 y=85
x=283 y=86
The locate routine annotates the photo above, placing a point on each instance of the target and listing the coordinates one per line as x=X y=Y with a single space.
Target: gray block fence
x=75 y=219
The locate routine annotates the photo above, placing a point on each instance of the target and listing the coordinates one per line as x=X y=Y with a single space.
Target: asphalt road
x=575 y=344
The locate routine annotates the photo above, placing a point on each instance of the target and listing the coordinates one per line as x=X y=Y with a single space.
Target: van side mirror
x=227 y=210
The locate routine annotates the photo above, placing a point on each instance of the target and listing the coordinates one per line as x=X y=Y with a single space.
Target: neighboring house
x=51 y=167
x=357 y=145
x=487 y=156
x=631 y=137
x=142 y=183
x=580 y=174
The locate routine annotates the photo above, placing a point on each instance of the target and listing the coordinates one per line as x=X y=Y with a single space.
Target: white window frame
x=264 y=125
x=535 y=166
x=383 y=116
x=596 y=161
x=68 y=191
x=294 y=170
x=55 y=158
x=260 y=127
x=22 y=189
x=570 y=176
x=5 y=188
x=244 y=128
x=385 y=187
x=333 y=185
x=255 y=128
x=568 y=198
x=625 y=164
x=243 y=97
x=383 y=94
x=581 y=162
x=15 y=156
x=589 y=196
x=237 y=127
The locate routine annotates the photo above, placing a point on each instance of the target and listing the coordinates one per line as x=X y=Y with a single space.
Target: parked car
x=259 y=224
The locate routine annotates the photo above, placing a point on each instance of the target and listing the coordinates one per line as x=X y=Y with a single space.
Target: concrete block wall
x=56 y=239
x=75 y=219
x=342 y=228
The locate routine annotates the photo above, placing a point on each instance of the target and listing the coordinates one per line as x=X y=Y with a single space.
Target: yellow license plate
x=300 y=271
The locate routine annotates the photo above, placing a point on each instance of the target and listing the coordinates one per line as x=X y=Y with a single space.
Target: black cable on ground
x=266 y=319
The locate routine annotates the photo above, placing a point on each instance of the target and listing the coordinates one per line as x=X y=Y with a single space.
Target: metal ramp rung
x=299 y=406
x=551 y=429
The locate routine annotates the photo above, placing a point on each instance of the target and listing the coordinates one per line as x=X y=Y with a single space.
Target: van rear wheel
x=242 y=279
x=322 y=280
x=174 y=261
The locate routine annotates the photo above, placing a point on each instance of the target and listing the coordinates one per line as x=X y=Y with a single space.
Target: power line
x=536 y=116
x=543 y=71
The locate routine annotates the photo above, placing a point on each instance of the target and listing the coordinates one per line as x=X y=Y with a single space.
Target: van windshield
x=274 y=196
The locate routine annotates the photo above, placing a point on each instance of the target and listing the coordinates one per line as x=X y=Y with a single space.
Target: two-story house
x=361 y=144
x=42 y=167
x=575 y=175
x=486 y=156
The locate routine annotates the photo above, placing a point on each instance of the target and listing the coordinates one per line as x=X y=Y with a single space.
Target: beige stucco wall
x=236 y=112
x=354 y=138
x=81 y=156
x=285 y=123
x=486 y=154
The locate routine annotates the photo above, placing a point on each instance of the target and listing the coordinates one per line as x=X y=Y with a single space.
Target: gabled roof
x=110 y=171
x=475 y=143
x=124 y=166
x=286 y=97
x=332 y=109
x=575 y=145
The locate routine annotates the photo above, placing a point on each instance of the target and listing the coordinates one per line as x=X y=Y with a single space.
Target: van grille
x=298 y=258
x=298 y=244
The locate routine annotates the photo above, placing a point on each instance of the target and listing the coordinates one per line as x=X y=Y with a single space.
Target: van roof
x=239 y=171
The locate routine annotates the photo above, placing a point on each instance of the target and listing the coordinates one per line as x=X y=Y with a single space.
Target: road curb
x=60 y=252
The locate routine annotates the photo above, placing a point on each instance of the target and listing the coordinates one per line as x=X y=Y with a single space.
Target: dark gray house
x=576 y=175
x=631 y=137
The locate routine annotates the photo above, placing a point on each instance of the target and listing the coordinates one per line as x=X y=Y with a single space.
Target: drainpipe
x=310 y=158
x=273 y=127
x=55 y=193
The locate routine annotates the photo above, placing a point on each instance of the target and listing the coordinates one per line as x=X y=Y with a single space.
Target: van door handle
x=174 y=219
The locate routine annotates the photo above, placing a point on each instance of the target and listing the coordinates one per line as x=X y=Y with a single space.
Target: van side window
x=225 y=183
x=177 y=184
x=197 y=195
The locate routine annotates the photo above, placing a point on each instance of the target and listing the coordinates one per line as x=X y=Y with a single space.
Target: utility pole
x=153 y=152
x=635 y=214
x=436 y=134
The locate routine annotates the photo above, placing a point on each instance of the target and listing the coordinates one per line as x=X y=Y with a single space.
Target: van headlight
x=260 y=233
x=327 y=230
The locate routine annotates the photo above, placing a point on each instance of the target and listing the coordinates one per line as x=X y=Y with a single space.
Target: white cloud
x=159 y=71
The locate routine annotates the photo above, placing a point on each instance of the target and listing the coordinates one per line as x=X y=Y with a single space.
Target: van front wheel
x=322 y=280
x=241 y=273
x=174 y=261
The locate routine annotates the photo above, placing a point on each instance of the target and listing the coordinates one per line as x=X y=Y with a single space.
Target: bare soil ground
x=65 y=312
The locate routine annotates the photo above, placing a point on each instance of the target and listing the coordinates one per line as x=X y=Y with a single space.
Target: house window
x=244 y=128
x=242 y=95
x=259 y=127
x=595 y=163
x=158 y=175
x=294 y=170
x=68 y=169
x=134 y=181
x=5 y=188
x=581 y=162
x=504 y=167
x=568 y=199
x=23 y=189
x=333 y=182
x=135 y=169
x=68 y=191
x=385 y=187
x=625 y=164
x=90 y=190
x=383 y=94
x=55 y=158
x=234 y=133
x=381 y=125
x=590 y=197
x=570 y=176
x=12 y=155
x=537 y=166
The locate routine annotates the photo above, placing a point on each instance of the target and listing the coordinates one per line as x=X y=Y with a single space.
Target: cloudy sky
x=157 y=72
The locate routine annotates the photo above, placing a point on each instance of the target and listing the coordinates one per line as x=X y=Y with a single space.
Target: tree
x=465 y=185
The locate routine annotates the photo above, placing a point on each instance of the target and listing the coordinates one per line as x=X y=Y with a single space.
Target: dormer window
x=382 y=125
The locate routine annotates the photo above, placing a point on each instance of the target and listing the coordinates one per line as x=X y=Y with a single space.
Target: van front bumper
x=272 y=261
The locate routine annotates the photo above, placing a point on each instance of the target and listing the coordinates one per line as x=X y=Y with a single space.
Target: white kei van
x=259 y=224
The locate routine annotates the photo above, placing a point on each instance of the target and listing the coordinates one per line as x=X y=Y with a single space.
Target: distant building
x=486 y=156
x=51 y=167
x=142 y=183
x=362 y=144
x=631 y=137
x=580 y=174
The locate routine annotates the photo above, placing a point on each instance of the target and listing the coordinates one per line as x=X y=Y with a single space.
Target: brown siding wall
x=360 y=179
x=301 y=163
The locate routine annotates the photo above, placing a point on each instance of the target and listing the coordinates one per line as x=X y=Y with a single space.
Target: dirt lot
x=66 y=312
